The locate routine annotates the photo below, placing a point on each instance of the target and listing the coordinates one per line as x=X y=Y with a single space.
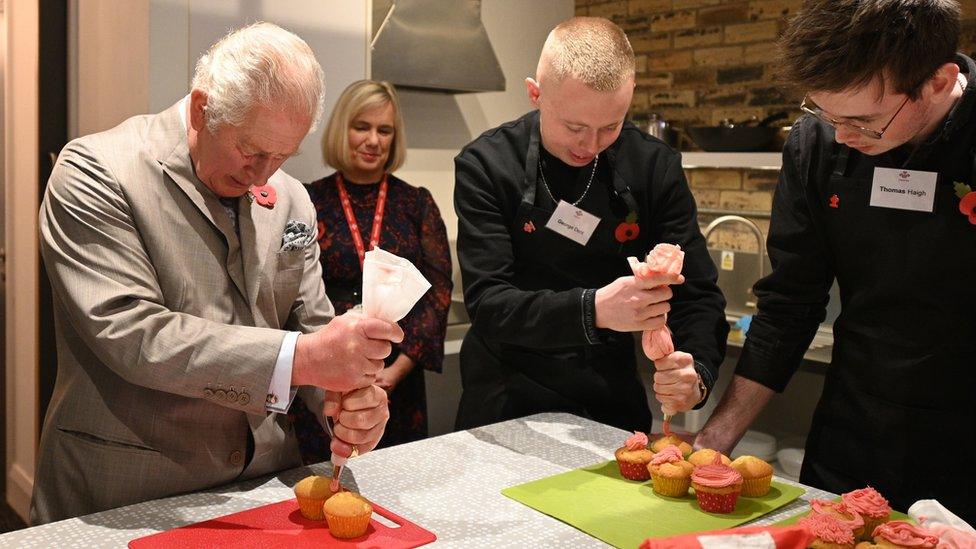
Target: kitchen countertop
x=448 y=484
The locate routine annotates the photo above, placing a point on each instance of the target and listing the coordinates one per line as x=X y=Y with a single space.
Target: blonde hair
x=359 y=97
x=593 y=50
x=260 y=64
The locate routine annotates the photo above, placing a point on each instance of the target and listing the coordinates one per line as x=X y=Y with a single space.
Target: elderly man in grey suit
x=188 y=294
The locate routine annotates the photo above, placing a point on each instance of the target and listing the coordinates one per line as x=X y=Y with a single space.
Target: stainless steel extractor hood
x=435 y=45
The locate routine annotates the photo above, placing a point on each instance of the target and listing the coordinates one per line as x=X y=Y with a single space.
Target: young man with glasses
x=872 y=195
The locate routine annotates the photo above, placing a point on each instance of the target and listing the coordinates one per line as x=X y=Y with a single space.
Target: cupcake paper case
x=670 y=474
x=717 y=487
x=672 y=440
x=311 y=492
x=757 y=475
x=633 y=457
x=872 y=507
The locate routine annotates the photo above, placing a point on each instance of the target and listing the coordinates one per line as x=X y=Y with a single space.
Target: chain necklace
x=586 y=190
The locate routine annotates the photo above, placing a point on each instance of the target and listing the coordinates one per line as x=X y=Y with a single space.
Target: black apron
x=897 y=411
x=503 y=381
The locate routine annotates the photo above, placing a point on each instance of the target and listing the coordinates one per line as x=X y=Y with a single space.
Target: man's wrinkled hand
x=676 y=382
x=360 y=419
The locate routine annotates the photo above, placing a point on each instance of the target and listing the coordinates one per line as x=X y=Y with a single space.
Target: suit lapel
x=257 y=243
x=173 y=154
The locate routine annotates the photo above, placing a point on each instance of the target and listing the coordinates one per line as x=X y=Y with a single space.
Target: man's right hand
x=631 y=304
x=345 y=354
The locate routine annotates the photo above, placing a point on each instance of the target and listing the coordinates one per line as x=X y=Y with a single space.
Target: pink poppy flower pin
x=265 y=195
x=967 y=201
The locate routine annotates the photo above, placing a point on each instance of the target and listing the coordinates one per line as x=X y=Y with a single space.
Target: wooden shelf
x=748 y=160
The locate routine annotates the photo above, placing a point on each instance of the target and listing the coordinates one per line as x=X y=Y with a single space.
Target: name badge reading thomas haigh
x=573 y=223
x=903 y=189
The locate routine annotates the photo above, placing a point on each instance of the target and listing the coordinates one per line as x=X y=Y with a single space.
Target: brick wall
x=702 y=61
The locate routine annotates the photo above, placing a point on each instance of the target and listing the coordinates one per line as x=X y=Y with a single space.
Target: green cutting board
x=623 y=513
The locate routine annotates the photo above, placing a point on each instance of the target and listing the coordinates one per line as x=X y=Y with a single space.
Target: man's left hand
x=676 y=382
x=361 y=418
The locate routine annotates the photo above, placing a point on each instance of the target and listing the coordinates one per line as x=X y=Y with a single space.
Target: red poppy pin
x=628 y=228
x=529 y=227
x=835 y=201
x=265 y=195
x=967 y=201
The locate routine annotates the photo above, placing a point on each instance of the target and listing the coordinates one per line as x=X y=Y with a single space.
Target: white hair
x=259 y=65
x=593 y=50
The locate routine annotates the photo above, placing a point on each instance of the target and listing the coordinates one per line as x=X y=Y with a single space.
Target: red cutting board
x=282 y=525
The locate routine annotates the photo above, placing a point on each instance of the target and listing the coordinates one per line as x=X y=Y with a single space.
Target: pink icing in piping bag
x=657 y=344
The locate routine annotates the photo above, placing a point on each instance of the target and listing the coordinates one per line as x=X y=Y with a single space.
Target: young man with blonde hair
x=188 y=293
x=549 y=208
x=877 y=194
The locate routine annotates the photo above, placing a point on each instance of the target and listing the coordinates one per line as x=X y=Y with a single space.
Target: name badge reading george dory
x=903 y=189
x=573 y=223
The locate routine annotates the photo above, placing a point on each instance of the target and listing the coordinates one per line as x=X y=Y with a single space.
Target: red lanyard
x=374 y=236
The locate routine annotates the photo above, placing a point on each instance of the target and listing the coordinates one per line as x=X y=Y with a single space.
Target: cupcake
x=706 y=456
x=670 y=474
x=717 y=486
x=828 y=532
x=872 y=507
x=756 y=475
x=899 y=533
x=840 y=511
x=671 y=440
x=311 y=492
x=633 y=457
x=348 y=515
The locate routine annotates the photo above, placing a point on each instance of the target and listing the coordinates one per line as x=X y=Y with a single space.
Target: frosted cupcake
x=899 y=533
x=841 y=512
x=872 y=507
x=757 y=475
x=672 y=440
x=717 y=487
x=633 y=457
x=828 y=532
x=670 y=474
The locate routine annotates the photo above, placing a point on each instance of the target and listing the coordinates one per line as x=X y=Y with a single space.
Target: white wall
x=21 y=189
x=438 y=125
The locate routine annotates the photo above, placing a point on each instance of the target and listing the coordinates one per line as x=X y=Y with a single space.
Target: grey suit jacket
x=168 y=324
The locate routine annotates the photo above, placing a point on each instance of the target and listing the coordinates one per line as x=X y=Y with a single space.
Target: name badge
x=903 y=189
x=573 y=223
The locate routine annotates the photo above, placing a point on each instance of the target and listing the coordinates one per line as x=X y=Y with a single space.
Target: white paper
x=573 y=223
x=903 y=189
x=391 y=286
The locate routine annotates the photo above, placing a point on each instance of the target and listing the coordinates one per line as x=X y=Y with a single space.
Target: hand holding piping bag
x=657 y=344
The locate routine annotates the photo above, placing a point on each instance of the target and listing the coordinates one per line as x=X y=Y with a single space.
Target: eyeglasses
x=810 y=107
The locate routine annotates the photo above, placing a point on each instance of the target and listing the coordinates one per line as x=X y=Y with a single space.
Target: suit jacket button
x=237 y=458
x=208 y=393
x=244 y=399
x=221 y=394
x=232 y=395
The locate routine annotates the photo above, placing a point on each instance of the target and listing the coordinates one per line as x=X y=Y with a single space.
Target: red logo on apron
x=835 y=201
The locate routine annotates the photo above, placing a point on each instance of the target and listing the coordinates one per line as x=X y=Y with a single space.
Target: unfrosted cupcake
x=717 y=486
x=670 y=474
x=898 y=533
x=311 y=492
x=757 y=475
x=872 y=507
x=633 y=457
x=672 y=440
x=348 y=515
x=828 y=532
x=706 y=456
x=840 y=511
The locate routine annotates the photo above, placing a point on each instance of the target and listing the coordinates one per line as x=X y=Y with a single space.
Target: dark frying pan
x=737 y=138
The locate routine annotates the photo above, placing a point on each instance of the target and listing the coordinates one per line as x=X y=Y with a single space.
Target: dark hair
x=837 y=45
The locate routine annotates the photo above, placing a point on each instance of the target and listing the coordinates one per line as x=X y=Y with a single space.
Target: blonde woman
x=362 y=205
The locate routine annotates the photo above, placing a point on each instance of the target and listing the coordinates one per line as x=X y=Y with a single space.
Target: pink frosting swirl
x=716 y=475
x=827 y=529
x=665 y=258
x=867 y=502
x=906 y=535
x=670 y=454
x=636 y=441
x=835 y=509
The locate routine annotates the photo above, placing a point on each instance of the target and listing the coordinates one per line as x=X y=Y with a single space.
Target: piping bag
x=657 y=344
x=391 y=287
